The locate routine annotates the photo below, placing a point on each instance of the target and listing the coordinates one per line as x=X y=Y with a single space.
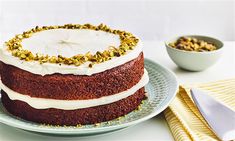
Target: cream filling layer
x=43 y=103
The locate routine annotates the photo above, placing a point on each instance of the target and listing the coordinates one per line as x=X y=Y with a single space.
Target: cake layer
x=43 y=103
x=74 y=117
x=73 y=87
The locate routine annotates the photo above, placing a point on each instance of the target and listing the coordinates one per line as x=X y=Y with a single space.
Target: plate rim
x=78 y=131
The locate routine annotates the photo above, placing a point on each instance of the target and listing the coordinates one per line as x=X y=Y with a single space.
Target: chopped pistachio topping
x=193 y=44
x=128 y=42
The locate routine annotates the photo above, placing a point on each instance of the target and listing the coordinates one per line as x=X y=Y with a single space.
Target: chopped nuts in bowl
x=192 y=44
x=194 y=52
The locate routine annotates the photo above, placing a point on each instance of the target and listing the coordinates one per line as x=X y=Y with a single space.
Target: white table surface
x=155 y=129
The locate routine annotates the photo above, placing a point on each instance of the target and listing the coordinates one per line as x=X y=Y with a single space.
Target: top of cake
x=70 y=49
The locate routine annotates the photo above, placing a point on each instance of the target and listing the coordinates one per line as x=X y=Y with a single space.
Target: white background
x=150 y=20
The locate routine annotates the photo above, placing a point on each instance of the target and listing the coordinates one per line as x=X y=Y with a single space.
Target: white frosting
x=42 y=103
x=67 y=42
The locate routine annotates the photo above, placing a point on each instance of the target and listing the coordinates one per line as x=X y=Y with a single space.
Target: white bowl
x=195 y=61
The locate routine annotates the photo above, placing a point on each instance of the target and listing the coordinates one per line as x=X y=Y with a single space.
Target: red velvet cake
x=72 y=74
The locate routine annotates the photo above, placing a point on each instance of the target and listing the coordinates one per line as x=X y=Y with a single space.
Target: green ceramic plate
x=161 y=89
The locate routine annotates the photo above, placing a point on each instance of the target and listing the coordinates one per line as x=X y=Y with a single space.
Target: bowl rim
x=195 y=52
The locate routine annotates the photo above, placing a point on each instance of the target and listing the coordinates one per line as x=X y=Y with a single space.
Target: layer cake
x=72 y=74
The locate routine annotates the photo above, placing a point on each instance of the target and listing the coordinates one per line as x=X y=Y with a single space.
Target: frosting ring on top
x=46 y=66
x=127 y=42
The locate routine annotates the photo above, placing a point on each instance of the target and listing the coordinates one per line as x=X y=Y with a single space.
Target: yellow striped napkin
x=183 y=117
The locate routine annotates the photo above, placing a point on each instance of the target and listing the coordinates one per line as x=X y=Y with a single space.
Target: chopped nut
x=90 y=65
x=192 y=44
